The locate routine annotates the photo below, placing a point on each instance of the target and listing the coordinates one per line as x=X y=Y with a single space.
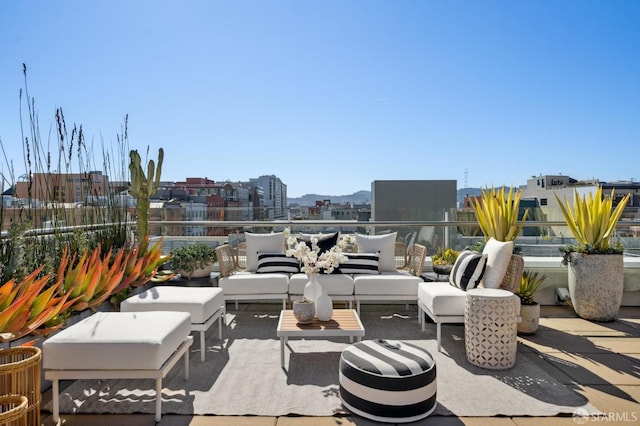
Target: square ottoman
x=118 y=345
x=205 y=304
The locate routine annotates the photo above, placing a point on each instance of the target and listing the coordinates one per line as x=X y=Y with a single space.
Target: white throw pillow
x=498 y=257
x=384 y=244
x=265 y=243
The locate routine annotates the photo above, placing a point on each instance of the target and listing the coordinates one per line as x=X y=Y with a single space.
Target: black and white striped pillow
x=277 y=262
x=360 y=263
x=468 y=270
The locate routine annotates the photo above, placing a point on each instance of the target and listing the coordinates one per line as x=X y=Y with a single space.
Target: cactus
x=143 y=187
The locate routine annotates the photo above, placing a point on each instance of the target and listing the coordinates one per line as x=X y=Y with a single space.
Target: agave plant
x=142 y=267
x=497 y=214
x=593 y=220
x=27 y=305
x=90 y=280
x=529 y=284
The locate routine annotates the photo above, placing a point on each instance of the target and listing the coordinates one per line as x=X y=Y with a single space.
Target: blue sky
x=331 y=95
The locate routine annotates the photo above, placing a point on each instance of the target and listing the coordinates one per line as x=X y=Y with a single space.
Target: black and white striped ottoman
x=388 y=381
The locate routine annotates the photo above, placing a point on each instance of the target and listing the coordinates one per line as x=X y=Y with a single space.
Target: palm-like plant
x=497 y=213
x=593 y=220
x=529 y=284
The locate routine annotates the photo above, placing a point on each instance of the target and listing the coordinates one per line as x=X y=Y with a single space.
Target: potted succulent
x=193 y=260
x=443 y=260
x=595 y=265
x=529 y=308
x=497 y=214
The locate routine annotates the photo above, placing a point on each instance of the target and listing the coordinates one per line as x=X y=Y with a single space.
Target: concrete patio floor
x=602 y=359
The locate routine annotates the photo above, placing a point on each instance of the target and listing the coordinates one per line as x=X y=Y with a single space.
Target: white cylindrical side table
x=490 y=328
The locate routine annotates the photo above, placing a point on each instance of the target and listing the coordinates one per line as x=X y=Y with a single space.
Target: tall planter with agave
x=595 y=265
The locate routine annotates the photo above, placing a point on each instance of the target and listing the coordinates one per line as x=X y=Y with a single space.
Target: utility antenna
x=466 y=178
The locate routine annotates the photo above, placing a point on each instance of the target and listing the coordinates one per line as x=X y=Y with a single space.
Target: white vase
x=313 y=289
x=324 y=306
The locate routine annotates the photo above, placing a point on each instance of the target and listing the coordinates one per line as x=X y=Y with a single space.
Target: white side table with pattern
x=490 y=327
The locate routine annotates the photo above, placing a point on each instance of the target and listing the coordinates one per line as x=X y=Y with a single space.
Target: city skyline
x=330 y=96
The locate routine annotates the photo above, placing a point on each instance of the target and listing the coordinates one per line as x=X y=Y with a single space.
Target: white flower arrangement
x=314 y=262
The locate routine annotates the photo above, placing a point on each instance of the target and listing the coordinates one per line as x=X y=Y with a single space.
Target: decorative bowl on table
x=304 y=310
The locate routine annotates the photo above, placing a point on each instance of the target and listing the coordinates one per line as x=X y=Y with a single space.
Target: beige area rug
x=245 y=378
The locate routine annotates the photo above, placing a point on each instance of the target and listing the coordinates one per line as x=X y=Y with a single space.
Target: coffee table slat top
x=343 y=322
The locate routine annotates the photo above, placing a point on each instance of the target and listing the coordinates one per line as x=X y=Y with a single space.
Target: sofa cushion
x=266 y=243
x=360 y=263
x=251 y=283
x=336 y=284
x=441 y=298
x=325 y=241
x=384 y=244
x=498 y=257
x=200 y=302
x=396 y=283
x=468 y=270
x=117 y=341
x=277 y=262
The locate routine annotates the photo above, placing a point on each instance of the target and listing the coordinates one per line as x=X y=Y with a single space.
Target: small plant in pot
x=443 y=260
x=193 y=260
x=529 y=308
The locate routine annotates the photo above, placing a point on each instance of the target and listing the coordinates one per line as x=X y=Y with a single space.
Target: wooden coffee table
x=343 y=322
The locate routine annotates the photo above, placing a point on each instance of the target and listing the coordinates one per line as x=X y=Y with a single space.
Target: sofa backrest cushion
x=384 y=244
x=277 y=262
x=360 y=263
x=262 y=243
x=498 y=258
x=468 y=270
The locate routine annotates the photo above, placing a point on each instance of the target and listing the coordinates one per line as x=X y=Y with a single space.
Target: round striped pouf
x=388 y=381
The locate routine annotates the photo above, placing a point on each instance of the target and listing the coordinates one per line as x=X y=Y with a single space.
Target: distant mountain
x=364 y=197
x=360 y=197
x=464 y=192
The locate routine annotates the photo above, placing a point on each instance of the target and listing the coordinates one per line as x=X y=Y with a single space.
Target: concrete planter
x=198 y=272
x=530 y=317
x=596 y=283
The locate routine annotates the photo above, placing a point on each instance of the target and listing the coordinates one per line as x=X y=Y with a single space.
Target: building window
x=543 y=201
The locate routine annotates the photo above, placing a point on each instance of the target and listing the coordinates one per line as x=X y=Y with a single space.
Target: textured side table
x=490 y=328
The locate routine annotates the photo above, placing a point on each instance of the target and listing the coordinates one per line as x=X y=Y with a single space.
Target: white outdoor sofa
x=388 y=283
x=444 y=302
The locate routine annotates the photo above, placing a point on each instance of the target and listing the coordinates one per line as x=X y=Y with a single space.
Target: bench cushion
x=441 y=298
x=395 y=283
x=252 y=283
x=336 y=284
x=200 y=302
x=117 y=341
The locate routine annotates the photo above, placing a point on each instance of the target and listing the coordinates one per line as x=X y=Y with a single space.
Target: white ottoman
x=205 y=304
x=491 y=327
x=118 y=345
